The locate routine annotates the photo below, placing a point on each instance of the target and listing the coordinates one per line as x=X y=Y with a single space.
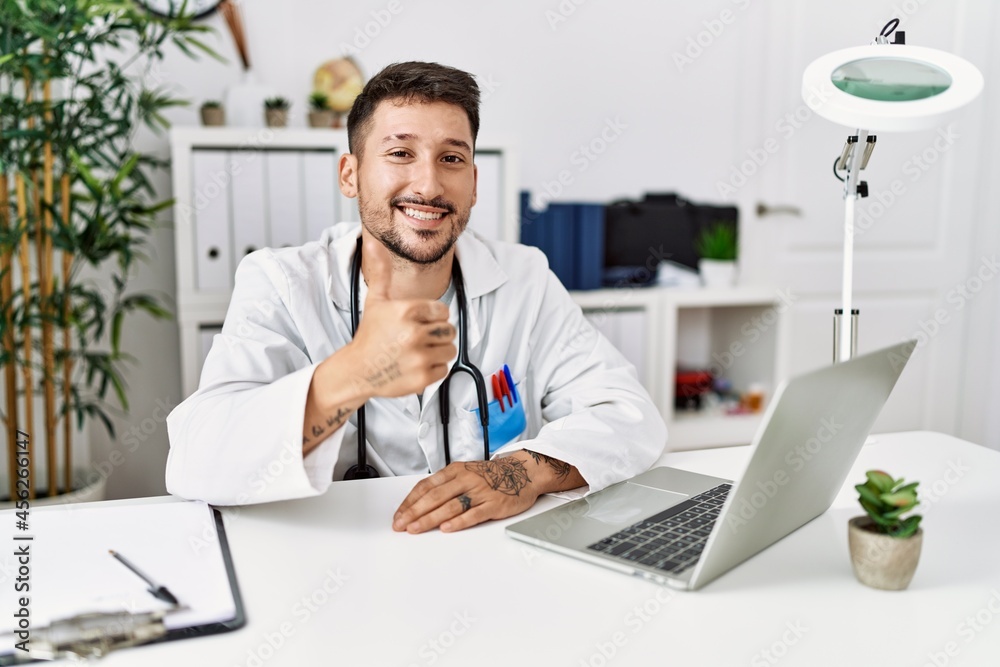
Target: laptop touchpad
x=624 y=504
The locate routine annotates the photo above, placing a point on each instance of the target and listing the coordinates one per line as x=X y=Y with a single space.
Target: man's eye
x=453 y=159
x=399 y=154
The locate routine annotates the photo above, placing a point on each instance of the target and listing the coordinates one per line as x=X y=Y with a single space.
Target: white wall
x=555 y=73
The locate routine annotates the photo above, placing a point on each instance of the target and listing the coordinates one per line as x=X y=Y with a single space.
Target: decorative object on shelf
x=276 y=111
x=75 y=196
x=887 y=87
x=213 y=114
x=320 y=113
x=245 y=99
x=341 y=81
x=717 y=250
x=885 y=547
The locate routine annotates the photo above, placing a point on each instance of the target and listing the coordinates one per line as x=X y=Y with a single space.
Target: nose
x=426 y=179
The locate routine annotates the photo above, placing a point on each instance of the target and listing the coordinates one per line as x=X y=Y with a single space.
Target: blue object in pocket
x=504 y=425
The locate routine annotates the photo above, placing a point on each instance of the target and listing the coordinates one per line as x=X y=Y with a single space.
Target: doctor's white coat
x=238 y=438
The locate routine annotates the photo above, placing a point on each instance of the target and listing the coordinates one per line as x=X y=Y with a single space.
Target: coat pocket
x=505 y=425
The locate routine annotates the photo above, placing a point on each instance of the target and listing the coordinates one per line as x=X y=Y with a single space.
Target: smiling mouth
x=422 y=215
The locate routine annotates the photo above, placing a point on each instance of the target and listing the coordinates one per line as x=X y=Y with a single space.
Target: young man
x=275 y=415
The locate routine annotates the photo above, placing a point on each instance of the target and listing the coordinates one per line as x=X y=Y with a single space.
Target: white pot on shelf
x=245 y=102
x=717 y=273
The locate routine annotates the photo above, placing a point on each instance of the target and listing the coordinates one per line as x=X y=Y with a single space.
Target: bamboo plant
x=77 y=79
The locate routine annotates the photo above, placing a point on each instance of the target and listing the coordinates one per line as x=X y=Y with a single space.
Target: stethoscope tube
x=462 y=365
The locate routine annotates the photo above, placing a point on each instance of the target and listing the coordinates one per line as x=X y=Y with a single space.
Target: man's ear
x=349 y=175
x=475 y=184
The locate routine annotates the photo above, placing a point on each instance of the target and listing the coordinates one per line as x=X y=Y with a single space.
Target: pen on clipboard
x=159 y=592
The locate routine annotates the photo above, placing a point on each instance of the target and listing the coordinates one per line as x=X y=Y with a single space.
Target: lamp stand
x=855 y=156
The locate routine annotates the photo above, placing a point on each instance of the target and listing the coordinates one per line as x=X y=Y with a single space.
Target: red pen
x=497 y=392
x=505 y=389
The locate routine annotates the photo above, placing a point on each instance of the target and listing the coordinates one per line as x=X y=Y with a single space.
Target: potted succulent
x=717 y=249
x=77 y=208
x=276 y=111
x=320 y=113
x=213 y=114
x=885 y=545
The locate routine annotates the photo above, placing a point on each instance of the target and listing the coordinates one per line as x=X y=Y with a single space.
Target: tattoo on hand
x=440 y=332
x=561 y=468
x=465 y=501
x=384 y=376
x=506 y=475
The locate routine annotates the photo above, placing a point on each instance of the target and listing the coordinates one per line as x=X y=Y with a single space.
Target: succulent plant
x=211 y=104
x=886 y=500
x=319 y=101
x=279 y=103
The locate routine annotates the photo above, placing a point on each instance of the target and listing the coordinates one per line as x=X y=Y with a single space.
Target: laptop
x=683 y=529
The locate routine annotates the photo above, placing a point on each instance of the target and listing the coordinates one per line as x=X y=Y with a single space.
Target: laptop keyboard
x=671 y=540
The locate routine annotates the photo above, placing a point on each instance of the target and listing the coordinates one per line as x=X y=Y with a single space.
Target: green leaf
x=908 y=527
x=899 y=499
x=871 y=497
x=880 y=480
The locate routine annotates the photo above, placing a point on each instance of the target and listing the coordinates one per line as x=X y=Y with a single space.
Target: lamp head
x=890 y=87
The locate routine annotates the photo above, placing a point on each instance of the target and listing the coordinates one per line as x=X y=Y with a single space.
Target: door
x=915 y=269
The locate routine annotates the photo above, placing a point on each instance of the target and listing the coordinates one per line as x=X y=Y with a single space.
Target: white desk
x=326 y=581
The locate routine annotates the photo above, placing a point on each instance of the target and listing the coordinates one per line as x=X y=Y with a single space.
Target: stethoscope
x=462 y=364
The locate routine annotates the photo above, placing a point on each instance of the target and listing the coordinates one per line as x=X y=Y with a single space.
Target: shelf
x=695 y=430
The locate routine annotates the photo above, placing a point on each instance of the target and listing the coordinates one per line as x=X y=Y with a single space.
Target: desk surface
x=326 y=579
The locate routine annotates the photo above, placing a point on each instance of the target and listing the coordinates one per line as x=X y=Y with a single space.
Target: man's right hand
x=402 y=346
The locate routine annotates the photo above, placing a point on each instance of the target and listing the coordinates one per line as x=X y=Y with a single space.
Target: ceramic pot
x=879 y=560
x=276 y=117
x=717 y=273
x=93 y=492
x=213 y=116
x=243 y=101
x=321 y=118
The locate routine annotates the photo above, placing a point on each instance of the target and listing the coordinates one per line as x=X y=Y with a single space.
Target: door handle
x=763 y=209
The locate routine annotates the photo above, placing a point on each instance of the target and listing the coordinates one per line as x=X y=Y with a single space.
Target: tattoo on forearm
x=561 y=468
x=332 y=422
x=506 y=475
x=384 y=375
x=440 y=332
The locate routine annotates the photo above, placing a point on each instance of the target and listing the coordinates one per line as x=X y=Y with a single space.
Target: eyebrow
x=457 y=143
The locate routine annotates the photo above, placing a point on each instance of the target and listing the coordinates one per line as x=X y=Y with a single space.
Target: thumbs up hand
x=402 y=345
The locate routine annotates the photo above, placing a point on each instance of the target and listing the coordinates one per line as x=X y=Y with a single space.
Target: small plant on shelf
x=320 y=113
x=212 y=113
x=276 y=111
x=718 y=242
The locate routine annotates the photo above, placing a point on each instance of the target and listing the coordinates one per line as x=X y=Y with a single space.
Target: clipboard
x=76 y=585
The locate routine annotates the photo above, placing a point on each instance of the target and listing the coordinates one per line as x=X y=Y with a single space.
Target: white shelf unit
x=240 y=189
x=660 y=328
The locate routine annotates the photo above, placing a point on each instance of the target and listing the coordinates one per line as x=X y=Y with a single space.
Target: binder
x=212 y=239
x=319 y=178
x=249 y=210
x=589 y=246
x=180 y=544
x=284 y=197
x=558 y=232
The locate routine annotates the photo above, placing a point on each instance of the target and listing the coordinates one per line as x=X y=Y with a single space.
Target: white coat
x=238 y=438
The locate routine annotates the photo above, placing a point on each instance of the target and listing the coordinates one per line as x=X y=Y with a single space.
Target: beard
x=431 y=244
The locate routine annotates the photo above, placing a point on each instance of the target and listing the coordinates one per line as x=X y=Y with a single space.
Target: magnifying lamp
x=883 y=87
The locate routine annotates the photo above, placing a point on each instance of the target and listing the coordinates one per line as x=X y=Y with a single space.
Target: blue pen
x=510 y=383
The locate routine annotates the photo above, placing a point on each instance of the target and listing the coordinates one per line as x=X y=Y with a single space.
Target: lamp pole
x=845 y=318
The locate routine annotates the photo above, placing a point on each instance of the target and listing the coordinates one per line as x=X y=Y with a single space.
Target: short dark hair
x=413 y=81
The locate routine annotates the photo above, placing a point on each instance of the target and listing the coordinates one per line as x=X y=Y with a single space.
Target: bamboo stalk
x=10 y=370
x=45 y=262
x=67 y=265
x=25 y=261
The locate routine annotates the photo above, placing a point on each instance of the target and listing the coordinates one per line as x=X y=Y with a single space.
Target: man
x=275 y=415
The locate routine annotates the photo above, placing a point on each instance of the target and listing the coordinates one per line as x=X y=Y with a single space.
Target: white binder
x=212 y=238
x=284 y=192
x=248 y=198
x=319 y=180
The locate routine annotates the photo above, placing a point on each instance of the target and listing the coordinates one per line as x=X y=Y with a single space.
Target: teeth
x=421 y=215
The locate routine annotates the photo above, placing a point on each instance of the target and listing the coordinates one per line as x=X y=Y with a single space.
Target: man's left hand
x=468 y=493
